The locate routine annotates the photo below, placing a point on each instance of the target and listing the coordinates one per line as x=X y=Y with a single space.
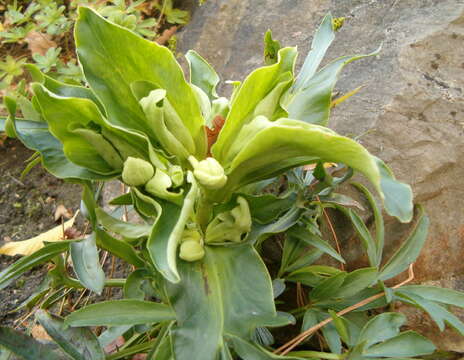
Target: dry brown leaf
x=313 y=166
x=39 y=333
x=39 y=43
x=61 y=211
x=166 y=35
x=28 y=247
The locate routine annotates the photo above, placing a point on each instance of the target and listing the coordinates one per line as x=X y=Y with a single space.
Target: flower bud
x=191 y=250
x=208 y=172
x=177 y=175
x=191 y=235
x=137 y=172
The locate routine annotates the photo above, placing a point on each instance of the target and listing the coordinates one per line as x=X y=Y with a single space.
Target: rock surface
x=411 y=111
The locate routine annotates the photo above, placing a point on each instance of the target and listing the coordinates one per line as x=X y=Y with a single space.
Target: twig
x=289 y=346
x=78 y=300
x=332 y=230
x=16 y=180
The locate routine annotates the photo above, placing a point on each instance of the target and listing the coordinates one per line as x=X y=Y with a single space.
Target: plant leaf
x=86 y=263
x=408 y=343
x=409 y=250
x=25 y=346
x=202 y=74
x=124 y=228
x=381 y=327
x=98 y=40
x=79 y=343
x=167 y=231
x=129 y=312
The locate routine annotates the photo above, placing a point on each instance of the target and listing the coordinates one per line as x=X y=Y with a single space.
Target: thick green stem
x=203 y=213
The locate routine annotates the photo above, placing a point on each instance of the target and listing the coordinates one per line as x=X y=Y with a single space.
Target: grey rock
x=411 y=110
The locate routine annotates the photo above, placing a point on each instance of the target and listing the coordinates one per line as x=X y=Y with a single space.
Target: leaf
x=247 y=350
x=312 y=275
x=307 y=237
x=129 y=312
x=265 y=208
x=64 y=116
x=15 y=270
x=35 y=136
x=435 y=293
x=253 y=90
x=327 y=288
x=79 y=343
x=300 y=143
x=98 y=40
x=345 y=97
x=409 y=250
x=124 y=228
x=259 y=232
x=202 y=74
x=167 y=231
x=229 y=292
x=30 y=246
x=408 y=343
x=437 y=312
x=86 y=263
x=321 y=41
x=311 y=104
x=25 y=346
x=381 y=327
x=357 y=281
x=38 y=42
x=368 y=243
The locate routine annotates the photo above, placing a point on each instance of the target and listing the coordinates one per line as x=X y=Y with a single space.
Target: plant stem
x=203 y=213
x=316 y=354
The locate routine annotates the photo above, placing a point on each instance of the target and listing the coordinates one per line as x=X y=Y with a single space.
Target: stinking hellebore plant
x=201 y=171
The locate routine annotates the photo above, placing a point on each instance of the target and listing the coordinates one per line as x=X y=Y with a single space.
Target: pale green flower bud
x=177 y=175
x=191 y=250
x=208 y=172
x=191 y=235
x=136 y=171
x=159 y=184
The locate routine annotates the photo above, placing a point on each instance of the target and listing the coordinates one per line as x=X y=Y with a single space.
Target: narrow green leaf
x=202 y=74
x=129 y=312
x=435 y=293
x=124 y=228
x=265 y=208
x=271 y=48
x=247 y=350
x=118 y=248
x=409 y=250
x=321 y=42
x=408 y=343
x=86 y=263
x=327 y=288
x=357 y=281
x=26 y=347
x=306 y=236
x=78 y=343
x=341 y=327
x=369 y=245
x=24 y=264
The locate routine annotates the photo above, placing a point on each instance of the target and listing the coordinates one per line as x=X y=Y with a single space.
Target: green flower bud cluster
x=208 y=172
x=191 y=248
x=230 y=225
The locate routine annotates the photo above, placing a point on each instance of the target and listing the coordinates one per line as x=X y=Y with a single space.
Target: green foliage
x=205 y=209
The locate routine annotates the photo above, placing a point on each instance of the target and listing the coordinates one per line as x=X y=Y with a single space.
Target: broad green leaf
x=381 y=327
x=167 y=232
x=253 y=90
x=228 y=292
x=409 y=250
x=64 y=114
x=435 y=293
x=408 y=343
x=24 y=264
x=25 y=346
x=322 y=39
x=303 y=234
x=129 y=312
x=98 y=40
x=86 y=263
x=300 y=143
x=124 y=228
x=133 y=286
x=118 y=248
x=438 y=313
x=311 y=104
x=36 y=136
x=78 y=343
x=202 y=74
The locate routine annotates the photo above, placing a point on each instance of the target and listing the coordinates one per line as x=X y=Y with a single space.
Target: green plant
x=205 y=176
